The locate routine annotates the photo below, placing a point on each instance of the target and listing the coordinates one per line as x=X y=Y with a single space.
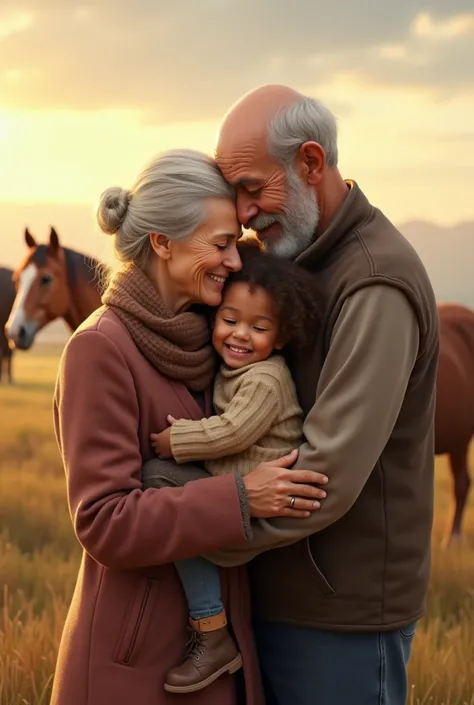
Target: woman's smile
x=219 y=280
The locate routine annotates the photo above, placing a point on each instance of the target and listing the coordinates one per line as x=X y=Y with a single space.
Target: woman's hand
x=273 y=490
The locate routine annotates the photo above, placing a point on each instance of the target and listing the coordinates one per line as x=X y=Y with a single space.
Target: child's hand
x=161 y=442
x=171 y=419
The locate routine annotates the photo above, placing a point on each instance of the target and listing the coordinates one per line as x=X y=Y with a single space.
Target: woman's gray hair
x=307 y=120
x=168 y=197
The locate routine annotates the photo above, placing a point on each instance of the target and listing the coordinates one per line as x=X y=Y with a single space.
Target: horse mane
x=77 y=264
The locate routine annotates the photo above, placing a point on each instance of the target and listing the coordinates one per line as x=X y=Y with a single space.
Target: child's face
x=246 y=329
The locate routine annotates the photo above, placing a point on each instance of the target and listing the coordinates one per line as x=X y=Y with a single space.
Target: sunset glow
x=73 y=122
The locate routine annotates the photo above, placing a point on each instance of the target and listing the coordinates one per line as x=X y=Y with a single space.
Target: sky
x=89 y=93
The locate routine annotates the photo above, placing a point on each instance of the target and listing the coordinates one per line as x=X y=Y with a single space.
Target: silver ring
x=292 y=502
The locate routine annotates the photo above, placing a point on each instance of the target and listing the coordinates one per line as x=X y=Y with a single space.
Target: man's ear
x=312 y=158
x=160 y=245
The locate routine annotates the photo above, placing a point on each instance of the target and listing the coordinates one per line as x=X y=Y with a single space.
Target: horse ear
x=29 y=239
x=53 y=239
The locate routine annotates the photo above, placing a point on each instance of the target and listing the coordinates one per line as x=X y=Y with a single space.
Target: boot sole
x=229 y=668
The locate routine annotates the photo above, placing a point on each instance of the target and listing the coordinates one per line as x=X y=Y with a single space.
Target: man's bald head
x=250 y=116
x=274 y=114
x=276 y=147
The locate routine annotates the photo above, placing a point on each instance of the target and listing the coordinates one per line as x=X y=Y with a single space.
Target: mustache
x=262 y=221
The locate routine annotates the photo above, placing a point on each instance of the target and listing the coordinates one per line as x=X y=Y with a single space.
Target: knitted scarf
x=177 y=345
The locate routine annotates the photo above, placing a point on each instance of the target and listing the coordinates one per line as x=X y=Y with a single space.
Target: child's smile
x=246 y=328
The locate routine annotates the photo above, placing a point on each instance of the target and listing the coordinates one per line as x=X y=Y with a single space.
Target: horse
x=7 y=297
x=56 y=282
x=454 y=417
x=52 y=282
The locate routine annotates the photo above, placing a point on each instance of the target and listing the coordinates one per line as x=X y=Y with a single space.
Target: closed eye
x=229 y=321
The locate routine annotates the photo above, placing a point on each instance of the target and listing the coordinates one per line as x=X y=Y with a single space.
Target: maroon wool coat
x=127 y=621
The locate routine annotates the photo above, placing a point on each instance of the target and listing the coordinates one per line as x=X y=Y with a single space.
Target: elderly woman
x=144 y=355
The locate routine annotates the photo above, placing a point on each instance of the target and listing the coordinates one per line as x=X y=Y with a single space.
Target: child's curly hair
x=297 y=301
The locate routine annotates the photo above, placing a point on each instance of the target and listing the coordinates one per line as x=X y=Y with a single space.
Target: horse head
x=42 y=291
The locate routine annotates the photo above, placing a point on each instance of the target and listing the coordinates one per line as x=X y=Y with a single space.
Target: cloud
x=189 y=60
x=437 y=53
x=14 y=22
x=456 y=26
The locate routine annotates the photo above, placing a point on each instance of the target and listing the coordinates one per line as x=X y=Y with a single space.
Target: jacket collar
x=354 y=211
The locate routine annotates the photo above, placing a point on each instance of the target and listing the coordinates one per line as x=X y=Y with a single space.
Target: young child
x=269 y=305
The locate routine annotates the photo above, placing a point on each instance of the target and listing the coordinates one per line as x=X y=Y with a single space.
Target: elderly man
x=338 y=597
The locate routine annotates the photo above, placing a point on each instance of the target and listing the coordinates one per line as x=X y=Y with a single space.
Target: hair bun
x=112 y=209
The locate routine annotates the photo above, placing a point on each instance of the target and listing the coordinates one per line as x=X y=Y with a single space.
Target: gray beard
x=298 y=223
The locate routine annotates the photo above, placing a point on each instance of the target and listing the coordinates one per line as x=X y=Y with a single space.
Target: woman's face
x=198 y=266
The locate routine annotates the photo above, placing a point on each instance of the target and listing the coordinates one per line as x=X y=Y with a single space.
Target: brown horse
x=7 y=297
x=455 y=402
x=55 y=282
x=52 y=282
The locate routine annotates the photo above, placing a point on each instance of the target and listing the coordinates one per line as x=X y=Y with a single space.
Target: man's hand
x=161 y=442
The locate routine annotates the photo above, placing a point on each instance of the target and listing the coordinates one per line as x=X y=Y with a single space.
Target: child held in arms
x=269 y=307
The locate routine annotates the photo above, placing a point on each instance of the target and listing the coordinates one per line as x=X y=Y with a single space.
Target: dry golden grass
x=39 y=559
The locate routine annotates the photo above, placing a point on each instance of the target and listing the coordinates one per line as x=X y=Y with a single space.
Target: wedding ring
x=292 y=502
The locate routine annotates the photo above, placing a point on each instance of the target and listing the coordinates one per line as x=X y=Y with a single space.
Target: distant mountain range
x=447 y=252
x=448 y=255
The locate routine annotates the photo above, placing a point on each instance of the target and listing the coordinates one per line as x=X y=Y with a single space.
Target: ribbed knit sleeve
x=250 y=414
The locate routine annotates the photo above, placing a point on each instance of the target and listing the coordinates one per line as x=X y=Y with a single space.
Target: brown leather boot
x=211 y=652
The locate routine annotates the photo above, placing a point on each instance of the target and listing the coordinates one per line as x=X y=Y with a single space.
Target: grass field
x=39 y=558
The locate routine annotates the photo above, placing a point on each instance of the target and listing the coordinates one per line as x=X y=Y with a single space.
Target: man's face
x=272 y=200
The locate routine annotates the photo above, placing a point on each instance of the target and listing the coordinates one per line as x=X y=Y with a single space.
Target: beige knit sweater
x=259 y=420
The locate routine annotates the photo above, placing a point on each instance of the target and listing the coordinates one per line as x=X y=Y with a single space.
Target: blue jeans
x=312 y=667
x=202 y=587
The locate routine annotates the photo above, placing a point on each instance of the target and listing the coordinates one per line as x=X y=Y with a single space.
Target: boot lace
x=196 y=644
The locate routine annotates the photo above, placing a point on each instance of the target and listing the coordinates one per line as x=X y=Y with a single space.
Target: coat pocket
x=323 y=584
x=136 y=622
